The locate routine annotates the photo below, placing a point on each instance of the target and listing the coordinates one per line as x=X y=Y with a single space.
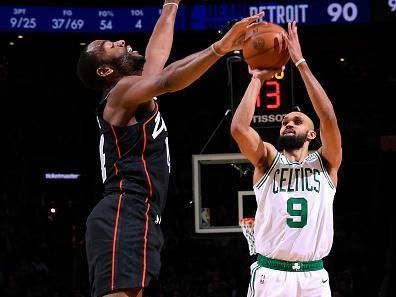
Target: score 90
x=270 y=95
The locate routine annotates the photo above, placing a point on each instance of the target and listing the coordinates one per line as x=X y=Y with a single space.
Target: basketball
x=266 y=48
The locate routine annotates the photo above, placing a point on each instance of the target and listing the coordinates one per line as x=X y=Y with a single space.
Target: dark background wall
x=48 y=125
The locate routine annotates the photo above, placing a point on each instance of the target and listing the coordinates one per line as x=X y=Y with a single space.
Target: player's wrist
x=258 y=79
x=217 y=50
x=170 y=4
x=300 y=61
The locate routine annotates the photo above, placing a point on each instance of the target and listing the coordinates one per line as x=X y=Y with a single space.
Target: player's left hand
x=264 y=74
x=239 y=32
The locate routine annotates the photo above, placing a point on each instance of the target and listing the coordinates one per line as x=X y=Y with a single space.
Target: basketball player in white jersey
x=294 y=189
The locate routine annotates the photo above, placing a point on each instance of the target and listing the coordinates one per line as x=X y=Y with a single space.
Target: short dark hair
x=87 y=65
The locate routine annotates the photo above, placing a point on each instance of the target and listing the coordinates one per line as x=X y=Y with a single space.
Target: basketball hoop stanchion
x=247 y=225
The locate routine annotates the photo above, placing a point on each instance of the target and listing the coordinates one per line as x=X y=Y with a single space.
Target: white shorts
x=265 y=282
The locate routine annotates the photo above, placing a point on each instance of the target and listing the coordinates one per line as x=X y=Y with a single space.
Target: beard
x=129 y=64
x=291 y=142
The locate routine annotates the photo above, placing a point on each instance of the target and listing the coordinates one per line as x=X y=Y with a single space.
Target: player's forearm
x=182 y=73
x=160 y=43
x=244 y=114
x=320 y=101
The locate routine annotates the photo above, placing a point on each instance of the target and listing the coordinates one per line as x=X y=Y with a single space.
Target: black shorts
x=123 y=243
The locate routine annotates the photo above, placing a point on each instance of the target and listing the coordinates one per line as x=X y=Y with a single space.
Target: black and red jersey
x=135 y=159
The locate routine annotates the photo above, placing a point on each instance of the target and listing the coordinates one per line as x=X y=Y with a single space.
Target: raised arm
x=134 y=90
x=259 y=153
x=329 y=132
x=160 y=43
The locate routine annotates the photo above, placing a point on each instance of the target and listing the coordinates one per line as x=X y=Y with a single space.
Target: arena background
x=48 y=125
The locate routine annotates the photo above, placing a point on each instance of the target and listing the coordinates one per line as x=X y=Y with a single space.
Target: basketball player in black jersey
x=123 y=237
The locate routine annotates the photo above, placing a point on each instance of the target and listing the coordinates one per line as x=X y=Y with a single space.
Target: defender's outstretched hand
x=235 y=37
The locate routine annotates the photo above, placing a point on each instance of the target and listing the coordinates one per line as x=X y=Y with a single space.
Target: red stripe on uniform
x=144 y=149
x=117 y=218
x=145 y=244
x=116 y=141
x=115 y=241
x=147 y=198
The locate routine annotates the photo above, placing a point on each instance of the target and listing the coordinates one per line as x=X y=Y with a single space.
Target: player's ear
x=311 y=135
x=104 y=70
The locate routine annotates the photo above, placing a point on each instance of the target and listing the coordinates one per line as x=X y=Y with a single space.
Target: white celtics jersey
x=294 y=218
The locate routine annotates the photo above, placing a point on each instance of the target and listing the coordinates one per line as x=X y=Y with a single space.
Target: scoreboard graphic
x=199 y=17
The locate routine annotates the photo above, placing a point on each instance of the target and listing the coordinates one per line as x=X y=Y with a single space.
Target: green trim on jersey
x=265 y=176
x=325 y=171
x=253 y=278
x=289 y=266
